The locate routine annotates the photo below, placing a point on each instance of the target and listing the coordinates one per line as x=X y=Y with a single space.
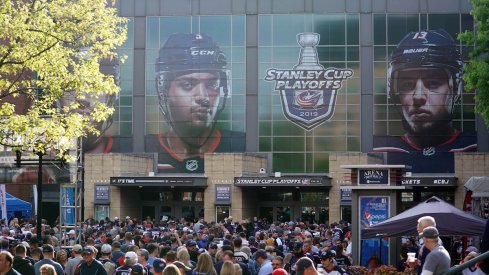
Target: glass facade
x=122 y=124
x=294 y=148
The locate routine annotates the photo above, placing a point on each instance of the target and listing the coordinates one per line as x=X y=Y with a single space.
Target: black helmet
x=185 y=53
x=427 y=49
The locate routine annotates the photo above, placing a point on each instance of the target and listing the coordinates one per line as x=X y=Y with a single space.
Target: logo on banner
x=308 y=91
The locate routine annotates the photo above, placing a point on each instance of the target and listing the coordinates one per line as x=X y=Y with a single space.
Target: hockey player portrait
x=424 y=82
x=192 y=82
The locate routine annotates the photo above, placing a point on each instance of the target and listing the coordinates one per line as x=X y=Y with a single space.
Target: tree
x=50 y=56
x=476 y=71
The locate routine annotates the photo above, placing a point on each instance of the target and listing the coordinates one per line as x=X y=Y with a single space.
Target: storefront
x=286 y=198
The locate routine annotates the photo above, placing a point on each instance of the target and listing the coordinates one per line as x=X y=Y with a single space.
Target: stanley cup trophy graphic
x=308 y=56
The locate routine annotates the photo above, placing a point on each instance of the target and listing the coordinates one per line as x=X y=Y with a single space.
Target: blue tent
x=17 y=207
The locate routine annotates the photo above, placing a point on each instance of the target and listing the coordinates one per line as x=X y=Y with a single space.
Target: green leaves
x=476 y=72
x=52 y=87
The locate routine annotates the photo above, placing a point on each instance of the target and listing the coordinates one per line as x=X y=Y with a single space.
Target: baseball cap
x=182 y=265
x=87 y=250
x=159 y=265
x=213 y=245
x=430 y=232
x=280 y=271
x=327 y=255
x=137 y=269
x=47 y=248
x=26 y=244
x=190 y=243
x=71 y=232
x=77 y=248
x=131 y=255
x=106 y=249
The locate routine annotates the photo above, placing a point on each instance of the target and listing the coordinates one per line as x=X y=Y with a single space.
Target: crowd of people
x=179 y=247
x=132 y=246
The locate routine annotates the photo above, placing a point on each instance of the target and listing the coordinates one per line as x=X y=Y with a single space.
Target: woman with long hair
x=184 y=257
x=204 y=265
x=341 y=259
x=228 y=269
x=171 y=269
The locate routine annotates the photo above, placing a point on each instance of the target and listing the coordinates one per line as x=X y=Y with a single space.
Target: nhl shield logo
x=308 y=91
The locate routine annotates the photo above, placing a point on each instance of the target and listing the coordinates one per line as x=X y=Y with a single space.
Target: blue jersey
x=436 y=159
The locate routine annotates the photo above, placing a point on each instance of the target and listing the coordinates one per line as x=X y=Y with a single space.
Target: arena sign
x=308 y=90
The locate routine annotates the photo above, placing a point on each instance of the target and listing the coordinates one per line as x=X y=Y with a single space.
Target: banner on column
x=373 y=210
x=3 y=202
x=67 y=205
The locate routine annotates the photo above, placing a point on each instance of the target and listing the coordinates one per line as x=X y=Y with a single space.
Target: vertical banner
x=67 y=203
x=3 y=202
x=34 y=194
x=373 y=210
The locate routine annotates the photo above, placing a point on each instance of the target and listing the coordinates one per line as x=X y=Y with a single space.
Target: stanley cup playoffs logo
x=308 y=91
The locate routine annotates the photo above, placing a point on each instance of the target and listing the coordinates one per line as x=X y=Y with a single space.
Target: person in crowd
x=47 y=269
x=305 y=266
x=438 y=260
x=76 y=251
x=158 y=266
x=329 y=265
x=143 y=256
x=48 y=254
x=277 y=262
x=21 y=263
x=90 y=265
x=264 y=263
x=171 y=269
x=204 y=265
x=62 y=257
x=6 y=264
x=402 y=263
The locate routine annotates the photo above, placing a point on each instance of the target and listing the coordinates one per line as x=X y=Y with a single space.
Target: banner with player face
x=422 y=114
x=195 y=97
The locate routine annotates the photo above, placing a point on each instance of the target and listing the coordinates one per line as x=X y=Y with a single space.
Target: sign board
x=345 y=195
x=373 y=176
x=373 y=210
x=102 y=193
x=282 y=181
x=223 y=194
x=428 y=181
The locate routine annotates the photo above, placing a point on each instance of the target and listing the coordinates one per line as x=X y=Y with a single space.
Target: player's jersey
x=169 y=162
x=437 y=159
x=335 y=271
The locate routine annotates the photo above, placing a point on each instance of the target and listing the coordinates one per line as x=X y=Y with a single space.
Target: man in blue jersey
x=425 y=82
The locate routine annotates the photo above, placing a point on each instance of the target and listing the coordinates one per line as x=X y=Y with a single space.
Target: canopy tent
x=479 y=186
x=450 y=221
x=17 y=207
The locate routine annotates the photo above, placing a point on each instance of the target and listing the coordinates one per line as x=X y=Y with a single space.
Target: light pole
x=39 y=198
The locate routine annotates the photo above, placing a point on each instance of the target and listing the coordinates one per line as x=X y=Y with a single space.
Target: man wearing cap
x=90 y=266
x=21 y=264
x=116 y=252
x=191 y=246
x=438 y=260
x=213 y=251
x=73 y=262
x=106 y=252
x=130 y=266
x=48 y=254
x=158 y=266
x=423 y=222
x=329 y=265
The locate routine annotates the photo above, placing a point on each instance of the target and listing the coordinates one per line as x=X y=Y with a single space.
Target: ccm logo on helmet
x=202 y=52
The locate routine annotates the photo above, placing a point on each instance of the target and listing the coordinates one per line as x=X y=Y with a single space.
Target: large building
x=285 y=106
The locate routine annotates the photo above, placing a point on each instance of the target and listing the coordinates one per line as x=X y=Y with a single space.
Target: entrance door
x=148 y=211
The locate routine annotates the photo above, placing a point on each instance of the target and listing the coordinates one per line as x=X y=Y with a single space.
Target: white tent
x=479 y=186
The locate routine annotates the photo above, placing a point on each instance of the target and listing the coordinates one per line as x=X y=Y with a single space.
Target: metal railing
x=458 y=268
